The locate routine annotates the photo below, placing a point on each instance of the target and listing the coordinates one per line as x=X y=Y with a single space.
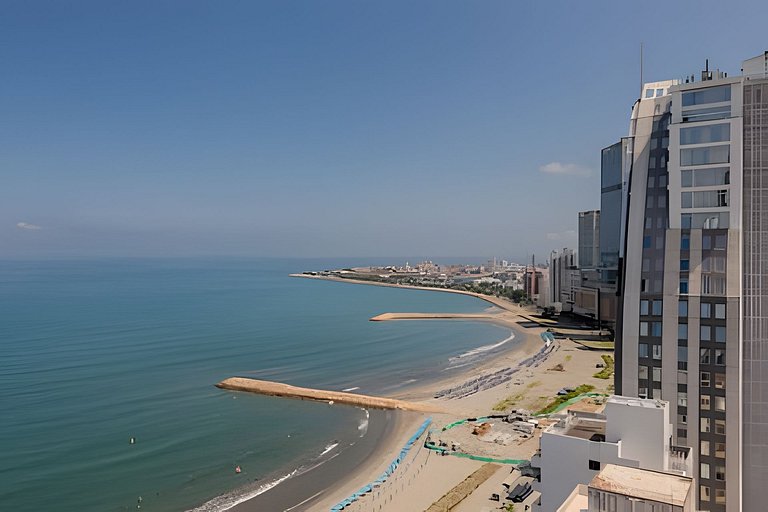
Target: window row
x=705 y=199
x=709 y=95
x=642 y=373
x=707 y=114
x=710 y=284
x=702 y=134
x=716 y=403
x=714 y=356
x=705 y=474
x=650 y=328
x=706 y=449
x=712 y=333
x=705 y=177
x=708 y=220
x=705 y=495
x=706 y=426
x=706 y=380
x=650 y=307
x=706 y=155
x=645 y=350
x=707 y=309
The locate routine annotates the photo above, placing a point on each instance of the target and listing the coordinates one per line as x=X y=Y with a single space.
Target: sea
x=107 y=373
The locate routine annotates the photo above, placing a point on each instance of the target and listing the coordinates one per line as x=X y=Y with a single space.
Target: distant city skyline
x=441 y=129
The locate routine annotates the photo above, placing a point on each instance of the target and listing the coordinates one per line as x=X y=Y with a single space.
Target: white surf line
x=303 y=502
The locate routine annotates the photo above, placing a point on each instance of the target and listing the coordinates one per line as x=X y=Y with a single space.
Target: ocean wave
x=329 y=448
x=363 y=425
x=351 y=389
x=480 y=350
x=230 y=500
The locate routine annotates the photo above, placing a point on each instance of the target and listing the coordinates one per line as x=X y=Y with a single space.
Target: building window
x=642 y=349
x=705 y=134
x=720 y=473
x=704 y=450
x=682 y=309
x=704 y=470
x=685 y=265
x=720 y=496
x=720 y=334
x=706 y=310
x=643 y=307
x=705 y=333
x=706 y=155
x=656 y=374
x=719 y=424
x=706 y=426
x=682 y=399
x=720 y=450
x=704 y=492
x=683 y=285
x=709 y=95
x=719 y=357
x=656 y=329
x=711 y=176
x=643 y=328
x=685 y=242
x=720 y=311
x=705 y=379
x=594 y=465
x=720 y=403
x=656 y=351
x=682 y=433
x=720 y=380
x=646 y=242
x=642 y=372
x=704 y=356
x=704 y=401
x=642 y=392
x=682 y=331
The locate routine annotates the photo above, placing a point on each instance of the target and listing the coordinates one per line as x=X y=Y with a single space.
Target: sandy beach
x=424 y=476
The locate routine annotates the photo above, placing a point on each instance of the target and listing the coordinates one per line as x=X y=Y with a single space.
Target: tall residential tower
x=693 y=285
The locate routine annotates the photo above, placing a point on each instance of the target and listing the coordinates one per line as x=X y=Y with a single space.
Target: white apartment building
x=630 y=432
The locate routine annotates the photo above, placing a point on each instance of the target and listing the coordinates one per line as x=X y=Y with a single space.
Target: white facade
x=631 y=432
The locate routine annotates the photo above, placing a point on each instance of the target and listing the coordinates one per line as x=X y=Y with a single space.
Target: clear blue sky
x=327 y=128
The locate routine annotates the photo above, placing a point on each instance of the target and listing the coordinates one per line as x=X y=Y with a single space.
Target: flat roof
x=648 y=403
x=643 y=484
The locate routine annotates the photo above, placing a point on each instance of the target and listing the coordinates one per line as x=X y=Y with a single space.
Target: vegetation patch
x=558 y=401
x=607 y=371
x=507 y=403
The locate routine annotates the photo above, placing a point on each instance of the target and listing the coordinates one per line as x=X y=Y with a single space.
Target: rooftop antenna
x=641 y=69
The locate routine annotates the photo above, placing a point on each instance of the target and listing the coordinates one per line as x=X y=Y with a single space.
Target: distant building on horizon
x=589 y=239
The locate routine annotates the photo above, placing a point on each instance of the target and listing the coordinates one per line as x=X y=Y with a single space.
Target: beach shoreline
x=400 y=424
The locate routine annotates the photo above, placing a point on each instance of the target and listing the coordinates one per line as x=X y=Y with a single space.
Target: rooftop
x=643 y=484
x=647 y=403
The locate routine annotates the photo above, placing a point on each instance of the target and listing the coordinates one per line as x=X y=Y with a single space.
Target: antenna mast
x=641 y=69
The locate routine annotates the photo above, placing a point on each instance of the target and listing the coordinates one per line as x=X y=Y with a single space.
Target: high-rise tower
x=693 y=314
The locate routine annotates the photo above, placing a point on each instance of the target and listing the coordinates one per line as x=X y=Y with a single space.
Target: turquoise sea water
x=93 y=353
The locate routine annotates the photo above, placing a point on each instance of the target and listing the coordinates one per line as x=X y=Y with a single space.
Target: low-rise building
x=629 y=432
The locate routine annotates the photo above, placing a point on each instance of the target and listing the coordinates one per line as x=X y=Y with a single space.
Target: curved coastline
x=313 y=490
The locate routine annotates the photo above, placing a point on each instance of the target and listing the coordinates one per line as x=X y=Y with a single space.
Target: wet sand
x=303 y=491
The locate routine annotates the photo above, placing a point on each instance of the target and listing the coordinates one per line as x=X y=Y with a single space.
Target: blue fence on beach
x=387 y=472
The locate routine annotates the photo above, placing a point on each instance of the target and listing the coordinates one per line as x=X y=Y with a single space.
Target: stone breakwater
x=269 y=388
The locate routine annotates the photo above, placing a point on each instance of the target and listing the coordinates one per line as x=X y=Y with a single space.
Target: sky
x=328 y=128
